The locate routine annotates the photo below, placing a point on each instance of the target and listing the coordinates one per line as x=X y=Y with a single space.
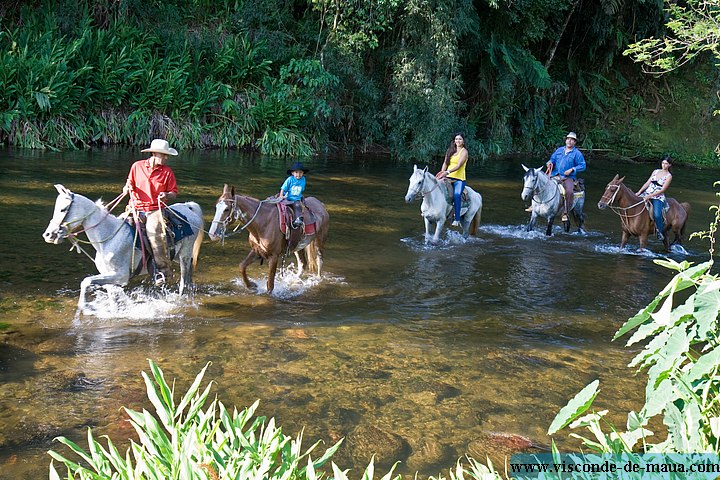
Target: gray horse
x=547 y=198
x=117 y=256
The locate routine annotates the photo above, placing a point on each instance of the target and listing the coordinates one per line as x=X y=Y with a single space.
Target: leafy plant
x=185 y=440
x=682 y=359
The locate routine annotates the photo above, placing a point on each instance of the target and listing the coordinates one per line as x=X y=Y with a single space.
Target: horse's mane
x=101 y=205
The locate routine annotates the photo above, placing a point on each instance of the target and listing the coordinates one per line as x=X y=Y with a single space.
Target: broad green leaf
x=575 y=407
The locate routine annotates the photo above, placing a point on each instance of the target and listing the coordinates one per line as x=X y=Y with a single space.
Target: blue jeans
x=458 y=187
x=658 y=206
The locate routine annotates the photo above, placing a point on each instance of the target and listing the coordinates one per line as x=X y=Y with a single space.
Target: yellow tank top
x=454 y=160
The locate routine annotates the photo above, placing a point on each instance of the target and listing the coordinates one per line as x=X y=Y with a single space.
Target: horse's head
x=57 y=230
x=530 y=181
x=223 y=213
x=417 y=182
x=611 y=191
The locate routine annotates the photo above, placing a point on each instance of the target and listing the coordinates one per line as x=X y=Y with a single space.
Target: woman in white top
x=654 y=190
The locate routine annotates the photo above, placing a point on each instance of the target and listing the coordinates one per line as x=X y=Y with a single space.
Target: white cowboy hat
x=572 y=135
x=160 y=146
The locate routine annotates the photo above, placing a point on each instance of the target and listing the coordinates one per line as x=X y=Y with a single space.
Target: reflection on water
x=448 y=347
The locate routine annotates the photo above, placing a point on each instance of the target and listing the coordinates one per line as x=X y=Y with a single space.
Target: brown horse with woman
x=636 y=218
x=271 y=235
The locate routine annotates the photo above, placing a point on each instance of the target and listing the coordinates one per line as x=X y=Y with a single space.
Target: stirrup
x=660 y=236
x=564 y=217
x=529 y=209
x=455 y=223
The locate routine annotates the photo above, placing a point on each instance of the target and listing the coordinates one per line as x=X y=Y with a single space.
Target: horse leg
x=624 y=239
x=643 y=238
x=438 y=228
x=116 y=278
x=186 y=273
x=243 y=269
x=427 y=229
x=300 y=264
x=548 y=230
x=272 y=264
x=531 y=224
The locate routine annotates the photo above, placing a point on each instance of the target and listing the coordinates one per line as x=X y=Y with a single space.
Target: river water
x=442 y=350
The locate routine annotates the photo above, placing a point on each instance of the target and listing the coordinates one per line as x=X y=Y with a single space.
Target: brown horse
x=635 y=217
x=262 y=221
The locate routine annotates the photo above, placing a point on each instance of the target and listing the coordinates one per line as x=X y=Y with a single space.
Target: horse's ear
x=232 y=191
x=414 y=167
x=524 y=167
x=425 y=169
x=621 y=180
x=61 y=189
x=539 y=169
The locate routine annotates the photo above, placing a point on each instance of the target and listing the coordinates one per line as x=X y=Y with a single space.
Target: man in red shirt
x=151 y=184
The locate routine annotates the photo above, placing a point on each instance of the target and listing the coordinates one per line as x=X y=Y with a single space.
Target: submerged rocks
x=368 y=440
x=499 y=447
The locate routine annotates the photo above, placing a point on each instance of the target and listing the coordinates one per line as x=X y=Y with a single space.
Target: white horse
x=437 y=204
x=117 y=256
x=547 y=197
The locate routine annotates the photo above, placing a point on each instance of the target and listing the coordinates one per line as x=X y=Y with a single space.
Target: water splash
x=112 y=302
x=288 y=284
x=615 y=249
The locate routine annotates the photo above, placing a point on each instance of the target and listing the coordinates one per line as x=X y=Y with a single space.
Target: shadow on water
x=430 y=351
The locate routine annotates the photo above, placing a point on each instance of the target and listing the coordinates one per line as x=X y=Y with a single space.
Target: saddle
x=300 y=237
x=464 y=198
x=178 y=227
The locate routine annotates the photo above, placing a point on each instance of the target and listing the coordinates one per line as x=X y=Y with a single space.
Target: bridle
x=236 y=215
x=421 y=187
x=622 y=212
x=534 y=188
x=69 y=227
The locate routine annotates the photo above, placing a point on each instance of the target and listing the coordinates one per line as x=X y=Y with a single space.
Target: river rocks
x=368 y=440
x=427 y=454
x=500 y=447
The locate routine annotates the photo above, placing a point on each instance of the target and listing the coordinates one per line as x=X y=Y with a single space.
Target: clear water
x=442 y=345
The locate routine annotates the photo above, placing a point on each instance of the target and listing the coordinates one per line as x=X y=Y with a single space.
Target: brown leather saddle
x=295 y=236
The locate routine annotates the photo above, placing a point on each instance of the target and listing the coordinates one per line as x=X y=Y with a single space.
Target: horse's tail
x=475 y=223
x=311 y=259
x=198 y=241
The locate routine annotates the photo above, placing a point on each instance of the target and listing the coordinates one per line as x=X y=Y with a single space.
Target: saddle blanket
x=179 y=224
x=286 y=217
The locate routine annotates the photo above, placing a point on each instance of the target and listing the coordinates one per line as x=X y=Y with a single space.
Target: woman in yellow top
x=454 y=168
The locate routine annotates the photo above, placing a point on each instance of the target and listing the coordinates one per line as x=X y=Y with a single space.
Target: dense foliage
x=309 y=75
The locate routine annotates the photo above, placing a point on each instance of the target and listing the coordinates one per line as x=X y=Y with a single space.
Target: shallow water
x=442 y=345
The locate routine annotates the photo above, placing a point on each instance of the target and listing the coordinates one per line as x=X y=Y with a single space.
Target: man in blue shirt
x=563 y=167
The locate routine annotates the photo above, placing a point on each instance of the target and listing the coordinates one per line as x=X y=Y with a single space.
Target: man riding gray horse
x=564 y=165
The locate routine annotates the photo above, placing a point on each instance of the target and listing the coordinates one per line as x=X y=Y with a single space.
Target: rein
x=236 y=214
x=622 y=212
x=535 y=189
x=421 y=186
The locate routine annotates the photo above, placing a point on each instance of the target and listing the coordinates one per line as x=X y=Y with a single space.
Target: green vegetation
x=295 y=78
x=682 y=359
x=190 y=442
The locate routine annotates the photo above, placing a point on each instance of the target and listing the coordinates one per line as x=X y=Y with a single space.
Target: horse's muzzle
x=55 y=235
x=409 y=198
x=602 y=205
